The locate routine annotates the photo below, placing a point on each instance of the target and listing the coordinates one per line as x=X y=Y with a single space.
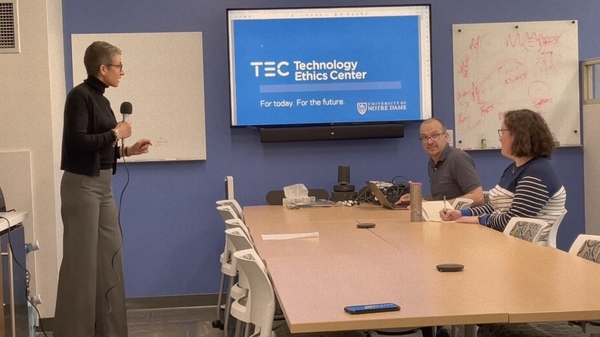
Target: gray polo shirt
x=454 y=175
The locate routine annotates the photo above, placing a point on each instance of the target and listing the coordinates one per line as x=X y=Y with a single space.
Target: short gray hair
x=433 y=119
x=97 y=54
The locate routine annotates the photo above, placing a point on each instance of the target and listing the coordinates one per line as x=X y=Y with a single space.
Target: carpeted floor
x=170 y=322
x=187 y=322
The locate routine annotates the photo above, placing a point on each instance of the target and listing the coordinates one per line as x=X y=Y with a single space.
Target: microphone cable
x=112 y=262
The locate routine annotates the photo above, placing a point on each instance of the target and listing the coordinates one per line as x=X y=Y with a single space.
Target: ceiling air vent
x=9 y=38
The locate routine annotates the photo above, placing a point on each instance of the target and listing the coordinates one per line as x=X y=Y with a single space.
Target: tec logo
x=270 y=68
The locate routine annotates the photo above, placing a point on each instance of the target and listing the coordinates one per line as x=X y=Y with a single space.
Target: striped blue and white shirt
x=532 y=190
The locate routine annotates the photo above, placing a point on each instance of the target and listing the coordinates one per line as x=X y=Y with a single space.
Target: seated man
x=452 y=172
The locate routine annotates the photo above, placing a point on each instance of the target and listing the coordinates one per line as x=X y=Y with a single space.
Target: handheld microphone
x=126 y=110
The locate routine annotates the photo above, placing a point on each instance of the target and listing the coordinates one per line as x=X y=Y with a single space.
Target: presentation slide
x=325 y=70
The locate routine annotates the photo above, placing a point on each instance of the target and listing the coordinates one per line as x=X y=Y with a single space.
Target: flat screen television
x=329 y=66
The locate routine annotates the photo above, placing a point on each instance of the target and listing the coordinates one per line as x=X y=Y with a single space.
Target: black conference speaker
x=343 y=184
x=332 y=132
x=343 y=174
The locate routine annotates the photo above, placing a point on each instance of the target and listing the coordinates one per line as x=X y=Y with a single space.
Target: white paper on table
x=431 y=209
x=290 y=236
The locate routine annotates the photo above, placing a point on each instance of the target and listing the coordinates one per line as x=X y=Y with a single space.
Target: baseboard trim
x=158 y=302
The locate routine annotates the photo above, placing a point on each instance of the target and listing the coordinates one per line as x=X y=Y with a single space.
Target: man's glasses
x=120 y=66
x=501 y=132
x=433 y=137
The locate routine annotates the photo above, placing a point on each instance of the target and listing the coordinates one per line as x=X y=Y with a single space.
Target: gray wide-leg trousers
x=91 y=296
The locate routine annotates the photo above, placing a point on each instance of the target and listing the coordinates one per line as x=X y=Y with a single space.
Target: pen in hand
x=445 y=209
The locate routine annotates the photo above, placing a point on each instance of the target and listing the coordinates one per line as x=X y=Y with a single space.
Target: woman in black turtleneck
x=91 y=298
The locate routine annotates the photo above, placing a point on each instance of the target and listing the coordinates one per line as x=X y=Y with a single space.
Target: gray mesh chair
x=526 y=229
x=588 y=247
x=462 y=203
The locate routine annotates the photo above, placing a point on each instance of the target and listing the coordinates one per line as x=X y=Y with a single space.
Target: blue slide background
x=387 y=48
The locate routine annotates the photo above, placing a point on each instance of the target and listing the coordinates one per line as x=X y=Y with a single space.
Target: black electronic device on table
x=450 y=267
x=369 y=308
x=365 y=225
x=383 y=199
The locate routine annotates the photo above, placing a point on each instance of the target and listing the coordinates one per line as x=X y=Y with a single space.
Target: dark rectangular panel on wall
x=340 y=132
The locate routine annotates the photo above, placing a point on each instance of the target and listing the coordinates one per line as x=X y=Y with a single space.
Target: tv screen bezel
x=426 y=92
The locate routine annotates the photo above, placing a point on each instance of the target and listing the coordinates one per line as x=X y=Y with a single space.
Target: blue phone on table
x=368 y=308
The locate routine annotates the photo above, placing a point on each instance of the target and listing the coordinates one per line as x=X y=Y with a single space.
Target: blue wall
x=172 y=233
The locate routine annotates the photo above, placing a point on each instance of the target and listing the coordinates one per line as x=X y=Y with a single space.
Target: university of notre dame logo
x=361 y=107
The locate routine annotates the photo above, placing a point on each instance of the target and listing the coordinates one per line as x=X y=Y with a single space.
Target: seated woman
x=529 y=187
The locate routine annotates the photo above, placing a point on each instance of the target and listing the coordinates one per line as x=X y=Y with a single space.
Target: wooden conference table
x=505 y=279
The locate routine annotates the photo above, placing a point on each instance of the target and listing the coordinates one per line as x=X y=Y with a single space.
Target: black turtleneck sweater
x=88 y=142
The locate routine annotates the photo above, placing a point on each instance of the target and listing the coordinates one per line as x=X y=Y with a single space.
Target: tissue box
x=295 y=202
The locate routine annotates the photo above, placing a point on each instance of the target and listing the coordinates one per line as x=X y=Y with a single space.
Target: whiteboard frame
x=549 y=82
x=164 y=81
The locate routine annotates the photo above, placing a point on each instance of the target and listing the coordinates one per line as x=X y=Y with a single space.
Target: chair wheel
x=216 y=323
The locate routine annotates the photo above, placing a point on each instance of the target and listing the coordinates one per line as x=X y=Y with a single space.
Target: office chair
x=238 y=224
x=588 y=247
x=258 y=307
x=526 y=229
x=227 y=213
x=462 y=203
x=238 y=241
x=486 y=197
x=234 y=205
x=554 y=230
x=237 y=237
x=276 y=197
x=229 y=270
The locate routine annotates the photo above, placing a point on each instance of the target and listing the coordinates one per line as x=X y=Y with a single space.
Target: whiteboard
x=508 y=66
x=164 y=81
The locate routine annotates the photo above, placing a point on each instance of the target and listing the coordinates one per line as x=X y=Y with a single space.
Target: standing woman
x=91 y=297
x=529 y=187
